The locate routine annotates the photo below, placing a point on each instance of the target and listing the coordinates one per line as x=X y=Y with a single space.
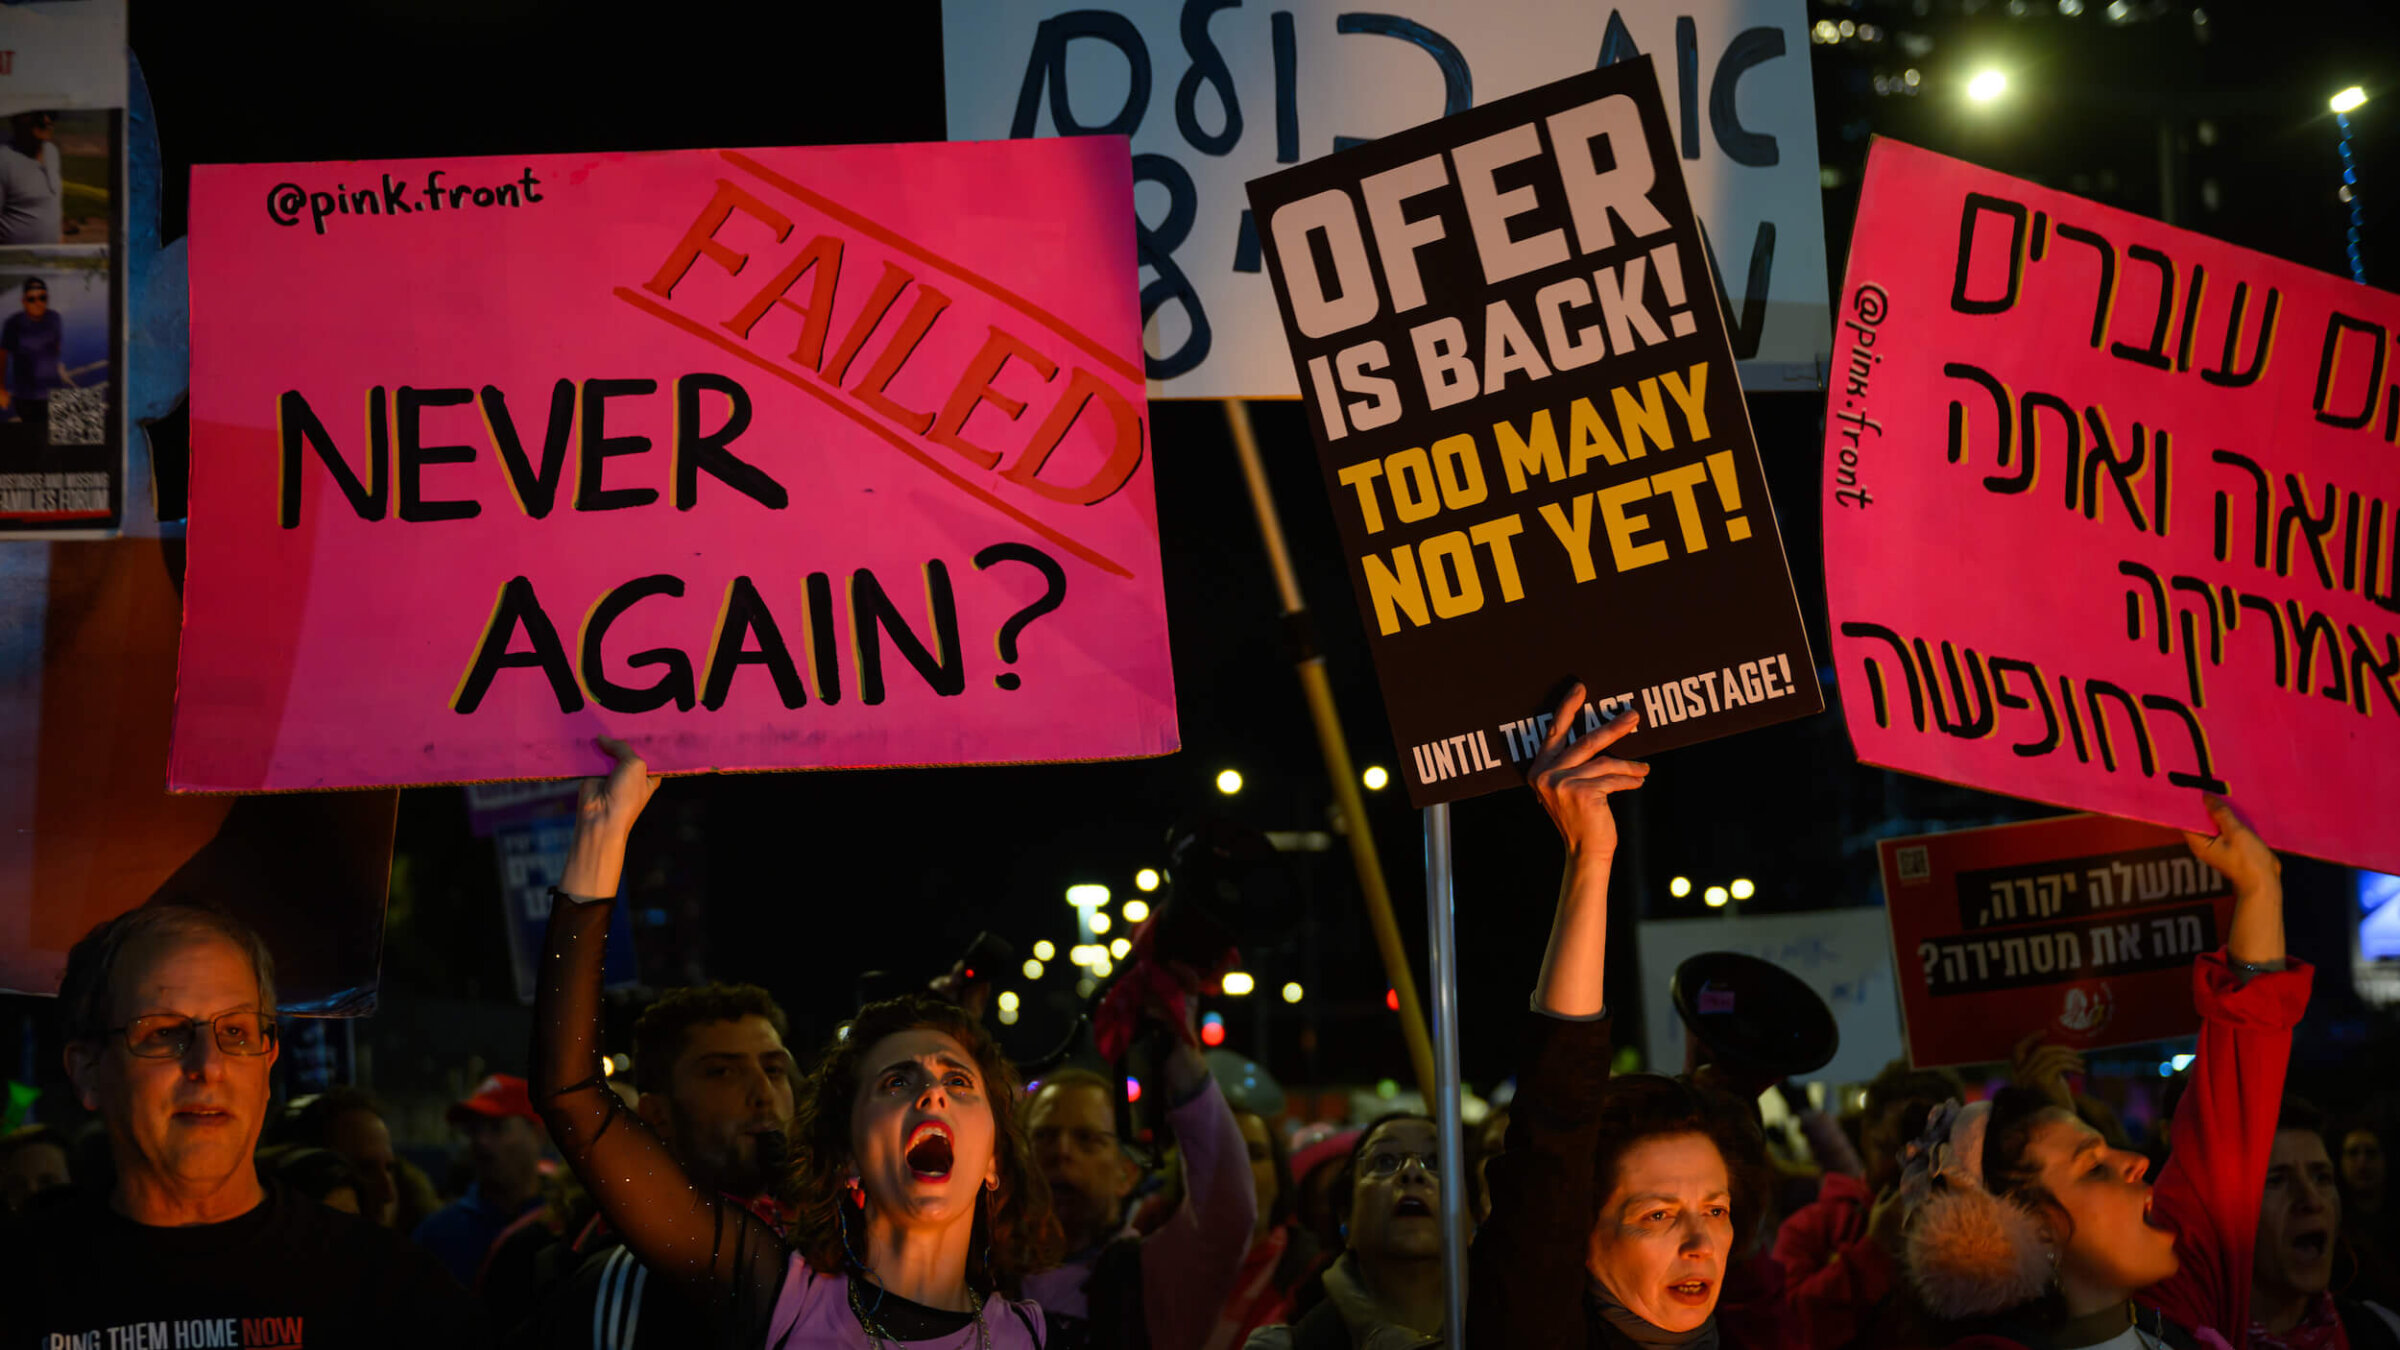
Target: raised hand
x=2236 y=851
x=1574 y=780
x=2256 y=937
x=604 y=816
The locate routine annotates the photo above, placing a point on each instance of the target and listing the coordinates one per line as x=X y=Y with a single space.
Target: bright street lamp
x=1715 y=896
x=1146 y=879
x=1680 y=887
x=1377 y=778
x=1100 y=921
x=2349 y=100
x=1986 y=86
x=1033 y=969
x=1087 y=896
x=1229 y=782
x=1238 y=982
x=1045 y=949
x=1136 y=911
x=1292 y=992
x=1742 y=889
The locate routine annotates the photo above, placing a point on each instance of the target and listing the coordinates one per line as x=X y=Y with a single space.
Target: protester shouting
x=917 y=1208
x=716 y=1085
x=2043 y=1235
x=1616 y=1202
x=1384 y=1290
x=170 y=1036
x=2299 y=1222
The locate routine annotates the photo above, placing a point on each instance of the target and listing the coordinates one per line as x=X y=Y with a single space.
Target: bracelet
x=557 y=895
x=2249 y=970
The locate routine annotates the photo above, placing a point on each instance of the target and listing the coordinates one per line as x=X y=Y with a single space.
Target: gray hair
x=84 y=994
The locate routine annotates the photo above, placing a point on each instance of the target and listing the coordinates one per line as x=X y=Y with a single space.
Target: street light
x=1120 y=949
x=1146 y=880
x=1136 y=911
x=1087 y=896
x=1680 y=887
x=1377 y=778
x=1715 y=896
x=1033 y=969
x=1045 y=949
x=1229 y=781
x=2349 y=100
x=1008 y=1000
x=1292 y=992
x=1986 y=86
x=1742 y=889
x=1238 y=983
x=1100 y=921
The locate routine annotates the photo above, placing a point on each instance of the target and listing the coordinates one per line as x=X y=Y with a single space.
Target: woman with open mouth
x=2035 y=1232
x=916 y=1210
x=1384 y=1292
x=1616 y=1203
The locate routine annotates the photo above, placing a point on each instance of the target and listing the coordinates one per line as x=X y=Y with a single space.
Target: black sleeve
x=1525 y=1281
x=719 y=1254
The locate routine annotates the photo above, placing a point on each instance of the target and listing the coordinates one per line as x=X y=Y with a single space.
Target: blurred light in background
x=1136 y=911
x=1238 y=982
x=1229 y=782
x=1145 y=880
x=1377 y=778
x=1986 y=86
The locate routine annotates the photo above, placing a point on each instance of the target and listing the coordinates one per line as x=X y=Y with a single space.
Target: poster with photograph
x=62 y=303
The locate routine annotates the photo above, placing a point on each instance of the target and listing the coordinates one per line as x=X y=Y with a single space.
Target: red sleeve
x=2224 y=1130
x=1814 y=1232
x=1836 y=1304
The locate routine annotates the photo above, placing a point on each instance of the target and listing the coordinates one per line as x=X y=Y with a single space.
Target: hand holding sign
x=2255 y=937
x=604 y=816
x=1573 y=779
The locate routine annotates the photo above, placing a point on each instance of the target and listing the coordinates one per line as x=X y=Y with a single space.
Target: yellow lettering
x=1574 y=534
x=1361 y=478
x=1646 y=419
x=1588 y=437
x=1535 y=451
x=1396 y=590
x=1494 y=535
x=1621 y=523
x=1693 y=400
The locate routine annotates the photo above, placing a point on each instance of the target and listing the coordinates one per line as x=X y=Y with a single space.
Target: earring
x=986 y=1213
x=991 y=1183
x=841 y=1221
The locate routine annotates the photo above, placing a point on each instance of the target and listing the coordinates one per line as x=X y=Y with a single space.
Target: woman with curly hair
x=1617 y=1202
x=916 y=1211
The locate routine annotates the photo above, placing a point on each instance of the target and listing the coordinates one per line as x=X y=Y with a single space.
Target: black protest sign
x=1533 y=431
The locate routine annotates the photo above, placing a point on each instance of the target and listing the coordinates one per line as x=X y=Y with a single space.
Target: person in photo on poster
x=32 y=181
x=31 y=342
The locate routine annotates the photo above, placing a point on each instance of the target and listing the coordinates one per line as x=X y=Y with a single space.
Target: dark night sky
x=811 y=878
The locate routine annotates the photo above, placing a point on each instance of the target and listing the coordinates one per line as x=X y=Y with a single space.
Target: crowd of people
x=906 y=1182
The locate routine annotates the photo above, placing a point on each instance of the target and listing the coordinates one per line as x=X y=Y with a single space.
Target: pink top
x=814 y=1310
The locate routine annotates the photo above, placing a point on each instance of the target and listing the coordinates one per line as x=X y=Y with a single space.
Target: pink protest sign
x=760 y=459
x=2112 y=513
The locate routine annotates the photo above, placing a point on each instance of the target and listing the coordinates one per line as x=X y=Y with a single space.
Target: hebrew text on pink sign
x=760 y=459
x=2112 y=512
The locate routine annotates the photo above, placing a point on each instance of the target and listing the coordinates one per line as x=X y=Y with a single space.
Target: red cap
x=498 y=1097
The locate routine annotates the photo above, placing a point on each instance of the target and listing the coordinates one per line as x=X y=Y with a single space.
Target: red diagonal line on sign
x=1099 y=351
x=899 y=442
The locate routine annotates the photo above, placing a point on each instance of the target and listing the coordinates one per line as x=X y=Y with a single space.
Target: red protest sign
x=2112 y=512
x=2083 y=928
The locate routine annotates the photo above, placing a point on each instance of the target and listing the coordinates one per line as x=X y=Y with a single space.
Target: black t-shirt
x=289 y=1275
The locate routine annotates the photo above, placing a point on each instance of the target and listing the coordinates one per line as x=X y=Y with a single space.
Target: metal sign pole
x=1441 y=921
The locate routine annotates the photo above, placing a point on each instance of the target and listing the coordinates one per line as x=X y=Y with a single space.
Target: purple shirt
x=33 y=349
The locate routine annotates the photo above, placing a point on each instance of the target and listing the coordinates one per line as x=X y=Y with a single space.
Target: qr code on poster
x=79 y=416
x=1914 y=866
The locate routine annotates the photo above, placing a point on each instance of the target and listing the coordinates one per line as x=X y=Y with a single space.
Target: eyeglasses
x=166 y=1036
x=1383 y=1166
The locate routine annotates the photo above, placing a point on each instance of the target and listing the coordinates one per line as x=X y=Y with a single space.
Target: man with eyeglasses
x=170 y=1031
x=1120 y=1289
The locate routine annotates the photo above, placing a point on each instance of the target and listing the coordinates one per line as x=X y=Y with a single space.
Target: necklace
x=876 y=1333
